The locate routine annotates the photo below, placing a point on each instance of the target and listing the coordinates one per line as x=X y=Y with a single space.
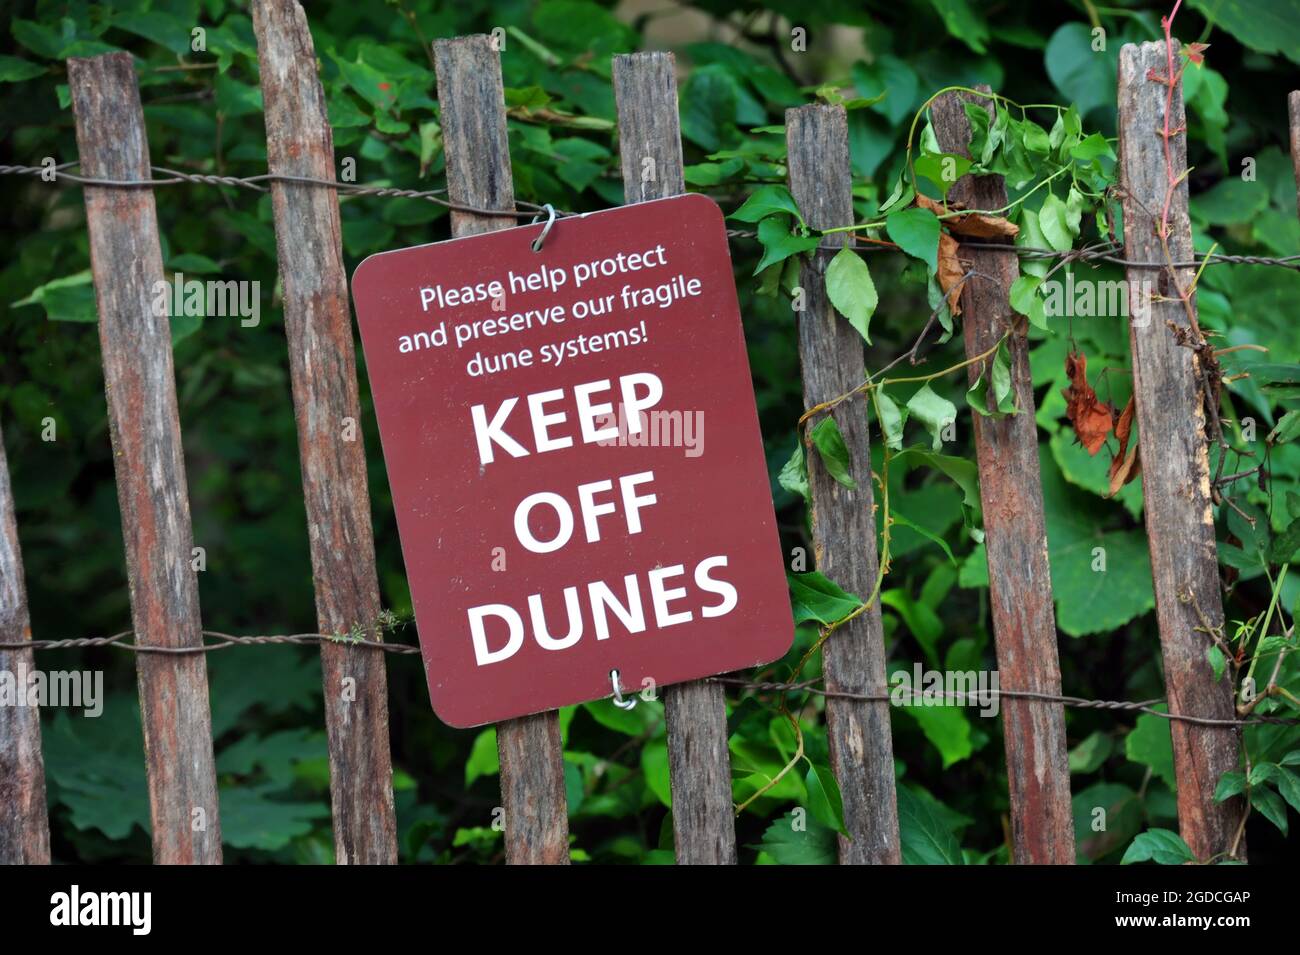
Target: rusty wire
x=530 y=210
x=226 y=640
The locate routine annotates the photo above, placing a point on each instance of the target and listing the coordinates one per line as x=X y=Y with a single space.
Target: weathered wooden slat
x=1015 y=531
x=843 y=523
x=1293 y=114
x=322 y=365
x=650 y=146
x=478 y=175
x=24 y=821
x=1171 y=419
x=126 y=261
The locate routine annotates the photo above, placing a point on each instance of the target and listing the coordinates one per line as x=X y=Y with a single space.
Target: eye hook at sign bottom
x=621 y=703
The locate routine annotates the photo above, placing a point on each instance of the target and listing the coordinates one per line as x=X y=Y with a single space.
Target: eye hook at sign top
x=546 y=230
x=621 y=703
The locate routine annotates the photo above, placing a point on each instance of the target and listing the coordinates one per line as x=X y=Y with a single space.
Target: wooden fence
x=151 y=480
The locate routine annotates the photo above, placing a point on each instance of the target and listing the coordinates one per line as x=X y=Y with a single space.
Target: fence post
x=24 y=821
x=322 y=364
x=704 y=824
x=1170 y=399
x=126 y=261
x=843 y=520
x=1293 y=114
x=478 y=174
x=1015 y=531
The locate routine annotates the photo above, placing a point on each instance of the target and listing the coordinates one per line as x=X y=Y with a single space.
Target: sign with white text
x=575 y=458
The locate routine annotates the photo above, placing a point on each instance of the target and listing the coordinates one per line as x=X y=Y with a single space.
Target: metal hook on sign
x=621 y=703
x=546 y=230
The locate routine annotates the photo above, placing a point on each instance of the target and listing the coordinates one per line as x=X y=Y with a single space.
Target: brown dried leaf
x=1124 y=467
x=950 y=272
x=1092 y=419
x=976 y=225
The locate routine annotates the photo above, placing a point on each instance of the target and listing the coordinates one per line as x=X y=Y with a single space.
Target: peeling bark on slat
x=1293 y=112
x=322 y=364
x=844 y=531
x=24 y=821
x=126 y=261
x=478 y=175
x=1175 y=463
x=704 y=827
x=1015 y=531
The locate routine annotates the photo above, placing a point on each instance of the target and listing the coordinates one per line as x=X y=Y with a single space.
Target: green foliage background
x=738 y=75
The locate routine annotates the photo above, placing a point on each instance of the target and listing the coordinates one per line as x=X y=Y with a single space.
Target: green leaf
x=631 y=722
x=259 y=817
x=963 y=23
x=901 y=519
x=15 y=70
x=1160 y=846
x=829 y=442
x=1024 y=298
x=824 y=800
x=794 y=474
x=942 y=169
x=778 y=242
x=1090 y=754
x=95 y=767
x=710 y=101
x=934 y=412
x=795 y=839
x=1287 y=428
x=1231 y=783
x=1288 y=784
x=962 y=471
x=814 y=597
x=895 y=78
x=39 y=38
x=1093 y=147
x=1230 y=201
x=992 y=396
x=1123 y=819
x=901 y=196
x=921 y=621
x=851 y=291
x=483 y=759
x=1084 y=76
x=916 y=232
x=712 y=173
x=946 y=727
x=891 y=420
x=1266 y=26
x=654 y=765
x=1054 y=217
x=165 y=29
x=765 y=201
x=1031 y=237
x=67 y=299
x=1150 y=744
x=1270 y=806
x=925 y=838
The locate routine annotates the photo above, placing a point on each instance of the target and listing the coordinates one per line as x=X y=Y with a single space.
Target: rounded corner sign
x=575 y=459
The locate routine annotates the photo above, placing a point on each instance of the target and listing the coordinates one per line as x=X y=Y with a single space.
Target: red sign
x=575 y=458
